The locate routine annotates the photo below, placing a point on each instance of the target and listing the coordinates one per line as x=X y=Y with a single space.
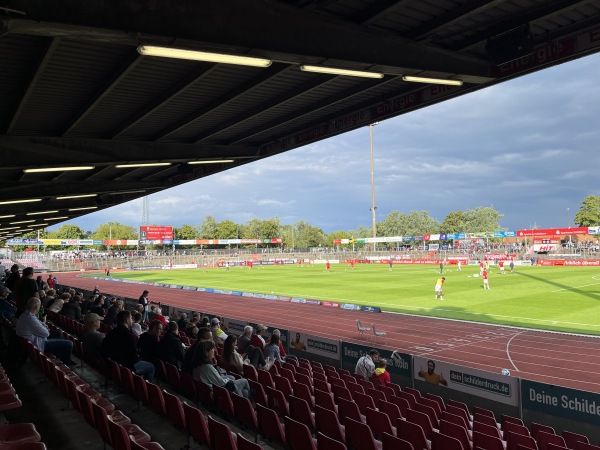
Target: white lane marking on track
x=508 y=351
x=455 y=346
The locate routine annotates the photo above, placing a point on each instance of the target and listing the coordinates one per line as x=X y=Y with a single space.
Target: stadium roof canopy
x=76 y=92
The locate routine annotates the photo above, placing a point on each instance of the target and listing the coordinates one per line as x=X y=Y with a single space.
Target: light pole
x=569 y=225
x=109 y=235
x=373 y=207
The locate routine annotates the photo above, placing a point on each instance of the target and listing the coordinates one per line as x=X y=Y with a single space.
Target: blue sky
x=528 y=148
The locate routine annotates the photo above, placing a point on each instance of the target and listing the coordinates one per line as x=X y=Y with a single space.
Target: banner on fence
x=573 y=404
x=397 y=363
x=496 y=387
x=314 y=344
x=234 y=326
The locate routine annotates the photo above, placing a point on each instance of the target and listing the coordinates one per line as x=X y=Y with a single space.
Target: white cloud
x=271 y=202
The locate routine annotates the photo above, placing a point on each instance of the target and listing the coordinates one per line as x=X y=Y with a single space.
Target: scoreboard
x=156 y=233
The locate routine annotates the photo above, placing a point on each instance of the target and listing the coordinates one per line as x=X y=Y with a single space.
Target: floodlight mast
x=373 y=207
x=569 y=225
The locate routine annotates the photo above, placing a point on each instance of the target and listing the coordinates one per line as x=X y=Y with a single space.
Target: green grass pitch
x=553 y=298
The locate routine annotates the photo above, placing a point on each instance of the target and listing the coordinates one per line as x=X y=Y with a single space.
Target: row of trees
x=589 y=213
x=298 y=235
x=304 y=235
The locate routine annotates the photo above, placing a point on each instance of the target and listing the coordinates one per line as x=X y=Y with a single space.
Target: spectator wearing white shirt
x=365 y=367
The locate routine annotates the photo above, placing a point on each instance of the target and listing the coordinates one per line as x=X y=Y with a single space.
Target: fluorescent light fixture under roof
x=433 y=80
x=211 y=161
x=27 y=200
x=335 y=71
x=40 y=212
x=83 y=208
x=46 y=219
x=58 y=169
x=66 y=197
x=179 y=53
x=7 y=216
x=157 y=164
x=139 y=191
x=22 y=221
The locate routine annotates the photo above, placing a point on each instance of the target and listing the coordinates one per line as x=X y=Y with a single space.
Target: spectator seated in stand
x=381 y=375
x=97 y=306
x=149 y=341
x=136 y=326
x=205 y=322
x=158 y=316
x=204 y=334
x=41 y=284
x=244 y=340
x=86 y=305
x=119 y=345
x=49 y=298
x=234 y=360
x=92 y=339
x=7 y=306
x=191 y=328
x=72 y=308
x=230 y=358
x=219 y=335
x=170 y=348
x=151 y=312
x=271 y=350
x=282 y=352
x=111 y=314
x=206 y=371
x=183 y=321
x=257 y=340
x=34 y=329
x=59 y=302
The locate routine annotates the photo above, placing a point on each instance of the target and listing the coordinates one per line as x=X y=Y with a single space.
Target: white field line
x=575 y=287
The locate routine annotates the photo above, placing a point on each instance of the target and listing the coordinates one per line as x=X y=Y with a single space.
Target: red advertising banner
x=411 y=261
x=582 y=262
x=153 y=233
x=331 y=304
x=569 y=262
x=552 y=232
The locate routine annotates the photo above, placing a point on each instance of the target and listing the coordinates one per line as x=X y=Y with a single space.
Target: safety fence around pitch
x=560 y=407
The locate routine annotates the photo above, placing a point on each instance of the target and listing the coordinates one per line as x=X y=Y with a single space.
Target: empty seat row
x=113 y=426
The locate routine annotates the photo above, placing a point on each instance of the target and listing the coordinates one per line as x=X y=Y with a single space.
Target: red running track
x=554 y=358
